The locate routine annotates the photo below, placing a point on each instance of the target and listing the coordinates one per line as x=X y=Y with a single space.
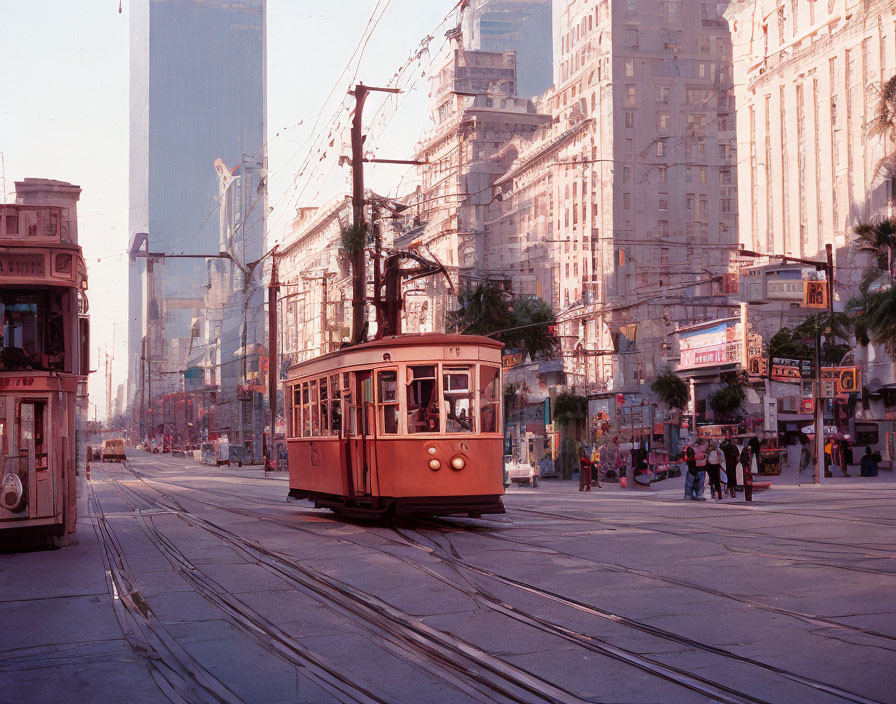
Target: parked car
x=521 y=473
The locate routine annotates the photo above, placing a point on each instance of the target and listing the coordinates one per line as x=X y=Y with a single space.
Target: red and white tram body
x=409 y=424
x=43 y=343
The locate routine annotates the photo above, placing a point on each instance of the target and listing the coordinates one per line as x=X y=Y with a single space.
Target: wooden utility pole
x=359 y=276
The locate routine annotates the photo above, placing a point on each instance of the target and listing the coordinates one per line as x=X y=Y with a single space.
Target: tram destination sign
x=22 y=265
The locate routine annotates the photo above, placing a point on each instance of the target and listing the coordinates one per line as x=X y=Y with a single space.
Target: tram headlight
x=458 y=462
x=435 y=465
x=431 y=449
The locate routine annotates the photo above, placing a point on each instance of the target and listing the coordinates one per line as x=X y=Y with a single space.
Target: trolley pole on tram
x=359 y=277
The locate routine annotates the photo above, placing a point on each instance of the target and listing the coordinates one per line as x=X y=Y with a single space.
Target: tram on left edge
x=44 y=342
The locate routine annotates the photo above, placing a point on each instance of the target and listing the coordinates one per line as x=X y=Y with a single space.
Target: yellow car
x=113 y=450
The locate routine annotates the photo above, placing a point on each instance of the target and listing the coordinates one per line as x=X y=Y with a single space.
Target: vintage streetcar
x=407 y=425
x=43 y=361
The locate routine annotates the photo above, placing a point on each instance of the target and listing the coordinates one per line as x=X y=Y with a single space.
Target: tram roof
x=408 y=340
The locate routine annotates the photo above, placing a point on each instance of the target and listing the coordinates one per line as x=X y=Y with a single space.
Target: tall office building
x=197 y=95
x=521 y=26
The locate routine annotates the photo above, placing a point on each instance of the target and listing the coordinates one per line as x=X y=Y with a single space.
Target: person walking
x=700 y=450
x=732 y=454
x=584 y=470
x=868 y=468
x=714 y=459
x=748 y=463
x=690 y=476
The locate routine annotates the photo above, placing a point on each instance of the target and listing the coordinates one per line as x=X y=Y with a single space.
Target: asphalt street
x=196 y=584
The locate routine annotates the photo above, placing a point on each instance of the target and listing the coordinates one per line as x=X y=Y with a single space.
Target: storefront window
x=387 y=401
x=488 y=399
x=423 y=400
x=458 y=399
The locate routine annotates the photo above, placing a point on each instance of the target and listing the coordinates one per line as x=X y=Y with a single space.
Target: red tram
x=43 y=360
x=409 y=425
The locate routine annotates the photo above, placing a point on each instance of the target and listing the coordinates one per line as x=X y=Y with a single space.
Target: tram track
x=178 y=675
x=454 y=559
x=798 y=615
x=591 y=642
x=484 y=677
x=606 y=522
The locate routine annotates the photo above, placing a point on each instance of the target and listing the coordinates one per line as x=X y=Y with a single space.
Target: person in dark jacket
x=584 y=470
x=690 y=477
x=869 y=463
x=746 y=460
x=714 y=459
x=729 y=450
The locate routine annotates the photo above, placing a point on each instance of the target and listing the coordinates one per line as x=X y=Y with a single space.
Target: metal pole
x=273 y=355
x=819 y=414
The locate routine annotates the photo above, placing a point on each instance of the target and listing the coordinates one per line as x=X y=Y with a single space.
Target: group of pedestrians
x=708 y=459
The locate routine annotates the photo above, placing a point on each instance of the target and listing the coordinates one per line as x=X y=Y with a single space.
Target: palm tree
x=884 y=124
x=534 y=321
x=671 y=390
x=875 y=306
x=482 y=310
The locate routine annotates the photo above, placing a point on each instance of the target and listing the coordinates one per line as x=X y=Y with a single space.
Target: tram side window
x=306 y=410
x=315 y=410
x=297 y=410
x=324 y=407
x=387 y=401
x=352 y=428
x=423 y=400
x=488 y=399
x=458 y=397
x=335 y=406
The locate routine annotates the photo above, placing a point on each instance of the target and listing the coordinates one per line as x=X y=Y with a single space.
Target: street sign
x=815 y=294
x=511 y=359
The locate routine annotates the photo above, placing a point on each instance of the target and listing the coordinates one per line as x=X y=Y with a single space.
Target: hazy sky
x=64 y=115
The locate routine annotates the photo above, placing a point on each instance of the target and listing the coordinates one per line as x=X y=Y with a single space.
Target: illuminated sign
x=720 y=343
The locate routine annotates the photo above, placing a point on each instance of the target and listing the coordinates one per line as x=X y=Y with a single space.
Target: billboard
x=717 y=343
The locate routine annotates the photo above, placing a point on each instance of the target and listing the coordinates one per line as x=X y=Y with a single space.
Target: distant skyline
x=65 y=116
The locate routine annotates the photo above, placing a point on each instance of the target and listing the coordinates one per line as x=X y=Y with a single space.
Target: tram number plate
x=452 y=353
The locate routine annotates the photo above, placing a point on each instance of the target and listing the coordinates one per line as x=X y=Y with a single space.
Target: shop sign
x=791 y=290
x=807 y=405
x=511 y=359
x=718 y=343
x=844 y=380
x=790 y=370
x=24 y=265
x=815 y=294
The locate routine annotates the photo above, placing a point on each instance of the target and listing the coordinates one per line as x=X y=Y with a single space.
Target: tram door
x=26 y=452
x=363 y=436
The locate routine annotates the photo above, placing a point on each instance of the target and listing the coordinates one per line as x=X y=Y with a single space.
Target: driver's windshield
x=32 y=332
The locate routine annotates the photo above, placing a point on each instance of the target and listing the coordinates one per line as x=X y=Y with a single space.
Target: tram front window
x=31 y=330
x=458 y=397
x=387 y=401
x=423 y=400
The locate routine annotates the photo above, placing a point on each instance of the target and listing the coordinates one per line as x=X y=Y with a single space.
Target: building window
x=664 y=231
x=630 y=96
x=725 y=205
x=629 y=68
x=626 y=174
x=631 y=39
x=662 y=94
x=725 y=177
x=704 y=44
x=627 y=201
x=629 y=119
x=661 y=174
x=663 y=203
x=663 y=120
